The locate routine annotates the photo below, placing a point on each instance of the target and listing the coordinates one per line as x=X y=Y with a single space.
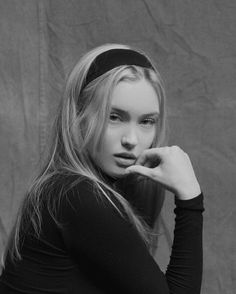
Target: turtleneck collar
x=110 y=180
x=115 y=182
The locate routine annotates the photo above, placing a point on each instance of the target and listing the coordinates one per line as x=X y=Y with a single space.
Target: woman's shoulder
x=63 y=184
x=80 y=198
x=78 y=190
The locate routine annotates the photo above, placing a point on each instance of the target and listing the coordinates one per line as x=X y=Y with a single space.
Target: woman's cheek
x=148 y=139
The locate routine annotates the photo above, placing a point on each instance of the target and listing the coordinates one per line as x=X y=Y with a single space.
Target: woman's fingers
x=152 y=155
x=147 y=163
x=141 y=170
x=169 y=166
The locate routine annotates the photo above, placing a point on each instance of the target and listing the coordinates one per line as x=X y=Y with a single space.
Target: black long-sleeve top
x=93 y=249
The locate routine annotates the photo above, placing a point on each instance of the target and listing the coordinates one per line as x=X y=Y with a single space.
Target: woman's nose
x=129 y=138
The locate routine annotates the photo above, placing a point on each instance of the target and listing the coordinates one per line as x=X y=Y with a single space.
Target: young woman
x=85 y=225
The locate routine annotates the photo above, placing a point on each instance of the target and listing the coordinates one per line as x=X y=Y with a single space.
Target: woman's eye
x=148 y=122
x=115 y=117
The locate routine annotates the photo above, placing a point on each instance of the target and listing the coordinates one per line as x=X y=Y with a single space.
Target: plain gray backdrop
x=194 y=46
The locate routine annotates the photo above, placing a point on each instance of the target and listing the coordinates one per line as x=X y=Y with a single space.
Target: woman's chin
x=118 y=173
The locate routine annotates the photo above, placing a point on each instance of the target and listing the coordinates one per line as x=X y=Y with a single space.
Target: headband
x=113 y=58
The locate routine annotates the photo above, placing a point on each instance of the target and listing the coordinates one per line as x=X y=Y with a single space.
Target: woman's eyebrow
x=126 y=113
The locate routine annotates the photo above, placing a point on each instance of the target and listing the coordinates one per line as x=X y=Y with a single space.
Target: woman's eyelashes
x=147 y=122
x=114 y=117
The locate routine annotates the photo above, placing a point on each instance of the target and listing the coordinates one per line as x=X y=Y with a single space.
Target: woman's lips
x=124 y=162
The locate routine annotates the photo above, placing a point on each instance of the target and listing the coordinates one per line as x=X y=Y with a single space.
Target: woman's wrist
x=190 y=192
x=194 y=204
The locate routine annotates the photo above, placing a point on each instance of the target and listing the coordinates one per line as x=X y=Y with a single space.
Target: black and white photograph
x=117 y=146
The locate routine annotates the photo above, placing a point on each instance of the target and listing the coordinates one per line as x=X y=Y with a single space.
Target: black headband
x=114 y=58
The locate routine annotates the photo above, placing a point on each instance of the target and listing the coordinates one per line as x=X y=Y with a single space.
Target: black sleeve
x=143 y=198
x=109 y=249
x=185 y=266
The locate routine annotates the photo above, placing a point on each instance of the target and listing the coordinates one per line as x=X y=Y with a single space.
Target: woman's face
x=131 y=127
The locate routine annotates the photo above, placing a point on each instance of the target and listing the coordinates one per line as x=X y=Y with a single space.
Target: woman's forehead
x=135 y=97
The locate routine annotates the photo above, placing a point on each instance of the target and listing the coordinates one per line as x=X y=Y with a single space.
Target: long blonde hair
x=75 y=128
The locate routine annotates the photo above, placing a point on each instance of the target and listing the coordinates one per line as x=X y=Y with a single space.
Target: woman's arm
x=144 y=195
x=171 y=167
x=185 y=266
x=108 y=249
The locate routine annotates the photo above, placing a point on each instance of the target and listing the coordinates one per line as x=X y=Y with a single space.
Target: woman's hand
x=171 y=167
